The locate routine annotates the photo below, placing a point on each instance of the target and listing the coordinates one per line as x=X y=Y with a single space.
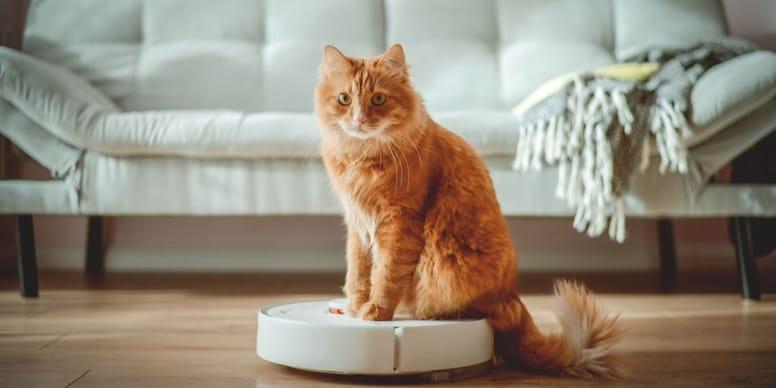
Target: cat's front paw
x=371 y=311
x=353 y=305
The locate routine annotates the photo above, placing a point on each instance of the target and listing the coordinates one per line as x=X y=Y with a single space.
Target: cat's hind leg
x=447 y=286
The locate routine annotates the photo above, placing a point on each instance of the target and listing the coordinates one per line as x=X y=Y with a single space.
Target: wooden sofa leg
x=95 y=254
x=28 y=267
x=667 y=249
x=745 y=260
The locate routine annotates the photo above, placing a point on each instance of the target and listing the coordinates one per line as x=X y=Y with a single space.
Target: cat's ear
x=334 y=60
x=394 y=57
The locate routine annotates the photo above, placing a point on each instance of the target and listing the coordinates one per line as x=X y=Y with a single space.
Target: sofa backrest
x=259 y=55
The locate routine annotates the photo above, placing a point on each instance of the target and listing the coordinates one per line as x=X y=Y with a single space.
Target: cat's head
x=366 y=100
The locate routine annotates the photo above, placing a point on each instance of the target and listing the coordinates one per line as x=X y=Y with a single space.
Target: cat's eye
x=343 y=99
x=378 y=99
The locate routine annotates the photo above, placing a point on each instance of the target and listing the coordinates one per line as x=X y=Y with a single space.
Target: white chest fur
x=364 y=223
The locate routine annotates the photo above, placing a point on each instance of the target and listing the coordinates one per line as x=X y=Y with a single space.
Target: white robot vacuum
x=317 y=336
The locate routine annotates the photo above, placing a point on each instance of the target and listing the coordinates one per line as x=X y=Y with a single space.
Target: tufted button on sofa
x=204 y=107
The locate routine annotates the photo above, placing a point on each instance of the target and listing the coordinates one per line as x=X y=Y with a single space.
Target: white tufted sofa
x=203 y=107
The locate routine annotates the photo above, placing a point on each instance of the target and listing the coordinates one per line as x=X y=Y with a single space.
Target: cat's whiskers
x=401 y=142
x=406 y=141
x=407 y=162
x=389 y=147
x=406 y=168
x=400 y=167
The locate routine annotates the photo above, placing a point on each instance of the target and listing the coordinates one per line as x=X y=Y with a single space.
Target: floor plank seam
x=52 y=342
x=78 y=378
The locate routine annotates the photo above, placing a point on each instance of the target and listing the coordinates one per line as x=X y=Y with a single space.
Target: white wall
x=754 y=20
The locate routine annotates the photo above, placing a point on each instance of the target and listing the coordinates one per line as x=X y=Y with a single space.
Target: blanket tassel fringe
x=578 y=141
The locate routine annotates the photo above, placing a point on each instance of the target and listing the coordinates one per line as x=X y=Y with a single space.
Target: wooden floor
x=192 y=330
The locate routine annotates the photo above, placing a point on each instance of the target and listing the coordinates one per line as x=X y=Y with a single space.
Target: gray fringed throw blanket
x=597 y=129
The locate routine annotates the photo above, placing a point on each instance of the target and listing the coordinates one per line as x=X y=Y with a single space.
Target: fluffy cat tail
x=583 y=349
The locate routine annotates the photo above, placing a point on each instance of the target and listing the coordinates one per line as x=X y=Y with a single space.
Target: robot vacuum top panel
x=309 y=336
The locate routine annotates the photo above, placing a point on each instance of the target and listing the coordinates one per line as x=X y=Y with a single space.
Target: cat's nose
x=359 y=119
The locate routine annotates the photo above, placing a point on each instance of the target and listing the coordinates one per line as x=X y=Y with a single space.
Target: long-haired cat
x=425 y=232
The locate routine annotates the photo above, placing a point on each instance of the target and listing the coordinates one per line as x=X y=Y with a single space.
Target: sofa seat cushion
x=206 y=134
x=229 y=134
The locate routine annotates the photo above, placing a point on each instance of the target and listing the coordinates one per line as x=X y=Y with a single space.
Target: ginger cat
x=424 y=229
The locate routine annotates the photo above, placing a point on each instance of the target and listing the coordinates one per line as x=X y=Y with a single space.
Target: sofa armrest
x=59 y=158
x=50 y=96
x=741 y=84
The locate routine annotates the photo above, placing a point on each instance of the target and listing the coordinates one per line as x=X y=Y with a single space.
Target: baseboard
x=571 y=257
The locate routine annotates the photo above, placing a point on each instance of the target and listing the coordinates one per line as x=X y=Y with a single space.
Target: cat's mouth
x=361 y=132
